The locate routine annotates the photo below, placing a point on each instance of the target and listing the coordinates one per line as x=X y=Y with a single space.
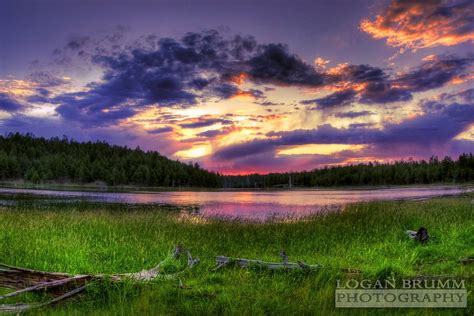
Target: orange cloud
x=321 y=62
x=420 y=24
x=243 y=95
x=239 y=79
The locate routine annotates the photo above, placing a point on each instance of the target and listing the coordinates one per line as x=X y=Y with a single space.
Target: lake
x=255 y=205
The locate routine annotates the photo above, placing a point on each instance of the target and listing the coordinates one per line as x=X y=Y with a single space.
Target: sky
x=244 y=86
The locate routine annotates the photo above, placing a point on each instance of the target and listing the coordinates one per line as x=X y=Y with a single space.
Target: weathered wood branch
x=21 y=307
x=64 y=285
x=222 y=261
x=49 y=285
x=18 y=278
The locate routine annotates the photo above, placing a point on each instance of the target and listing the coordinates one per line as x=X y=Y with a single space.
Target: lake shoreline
x=139 y=189
x=245 y=205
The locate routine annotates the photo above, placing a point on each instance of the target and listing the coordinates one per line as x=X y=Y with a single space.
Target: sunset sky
x=244 y=86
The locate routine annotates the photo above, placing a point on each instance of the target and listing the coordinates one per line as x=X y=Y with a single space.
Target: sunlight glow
x=319 y=149
x=194 y=152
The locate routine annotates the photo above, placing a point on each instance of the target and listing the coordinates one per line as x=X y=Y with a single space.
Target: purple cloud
x=9 y=104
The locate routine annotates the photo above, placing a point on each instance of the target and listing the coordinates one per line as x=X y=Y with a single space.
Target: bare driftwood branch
x=64 y=285
x=222 y=261
x=48 y=285
x=20 y=307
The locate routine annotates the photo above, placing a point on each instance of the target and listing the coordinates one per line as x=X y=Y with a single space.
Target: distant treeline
x=398 y=173
x=40 y=160
x=63 y=160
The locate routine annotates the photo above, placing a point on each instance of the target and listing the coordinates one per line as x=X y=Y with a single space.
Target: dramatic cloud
x=274 y=64
x=415 y=24
x=207 y=66
x=384 y=92
x=180 y=73
x=427 y=131
x=339 y=98
x=359 y=73
x=8 y=104
x=205 y=97
x=435 y=72
x=369 y=85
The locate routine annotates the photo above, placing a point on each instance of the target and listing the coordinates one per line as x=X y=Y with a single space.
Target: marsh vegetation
x=88 y=237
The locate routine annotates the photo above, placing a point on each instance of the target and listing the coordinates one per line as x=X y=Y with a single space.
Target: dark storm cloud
x=93 y=108
x=9 y=104
x=431 y=74
x=167 y=72
x=435 y=73
x=179 y=73
x=362 y=73
x=225 y=90
x=383 y=92
x=339 y=98
x=275 y=64
x=375 y=86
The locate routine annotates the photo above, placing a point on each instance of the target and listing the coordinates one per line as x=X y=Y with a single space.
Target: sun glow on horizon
x=319 y=149
x=194 y=152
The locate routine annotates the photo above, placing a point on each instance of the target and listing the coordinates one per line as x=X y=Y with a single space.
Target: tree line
x=40 y=160
x=432 y=171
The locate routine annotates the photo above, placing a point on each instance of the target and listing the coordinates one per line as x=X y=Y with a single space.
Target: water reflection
x=255 y=204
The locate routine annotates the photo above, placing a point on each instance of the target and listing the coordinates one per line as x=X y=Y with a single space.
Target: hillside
x=432 y=171
x=63 y=160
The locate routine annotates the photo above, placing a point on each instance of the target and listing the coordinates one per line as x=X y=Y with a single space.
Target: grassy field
x=92 y=238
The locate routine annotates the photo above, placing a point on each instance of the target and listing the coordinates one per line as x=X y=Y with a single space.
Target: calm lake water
x=257 y=205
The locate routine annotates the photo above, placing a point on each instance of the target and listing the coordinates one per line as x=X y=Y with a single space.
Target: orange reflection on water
x=254 y=205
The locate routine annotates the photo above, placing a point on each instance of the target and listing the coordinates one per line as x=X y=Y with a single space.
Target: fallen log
x=21 y=307
x=64 y=285
x=222 y=261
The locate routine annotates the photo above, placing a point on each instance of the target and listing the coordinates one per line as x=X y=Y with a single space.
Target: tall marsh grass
x=82 y=237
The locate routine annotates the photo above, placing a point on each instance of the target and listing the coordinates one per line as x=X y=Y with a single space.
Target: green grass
x=94 y=238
